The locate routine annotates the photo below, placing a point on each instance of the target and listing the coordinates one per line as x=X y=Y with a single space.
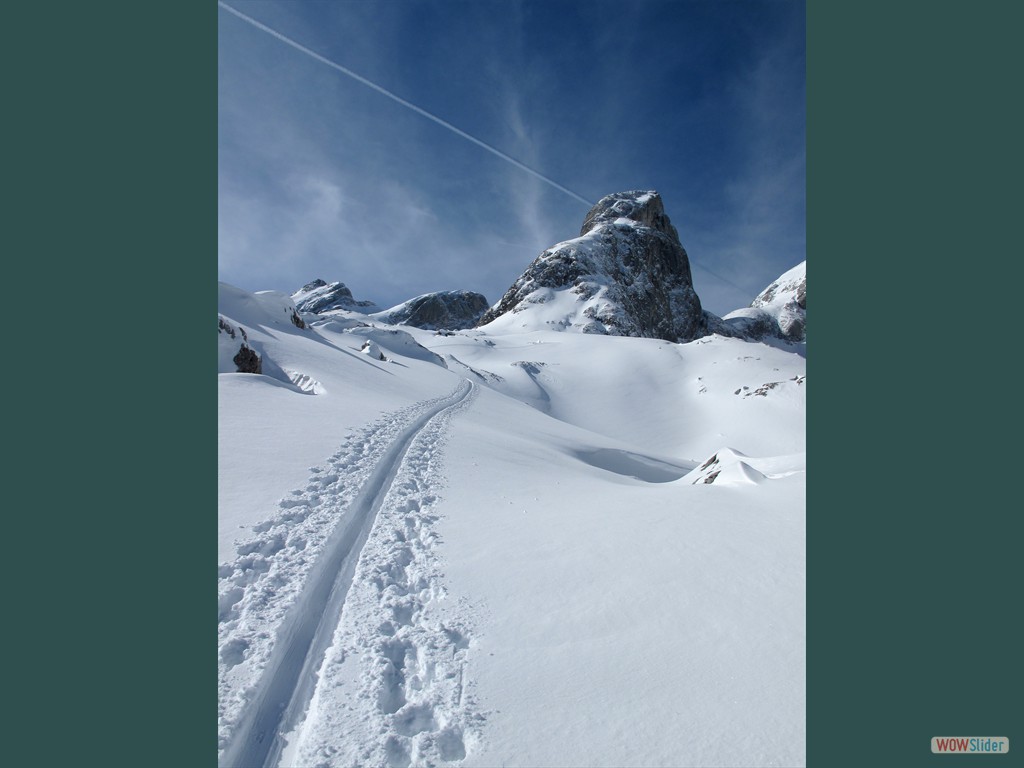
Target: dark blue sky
x=321 y=176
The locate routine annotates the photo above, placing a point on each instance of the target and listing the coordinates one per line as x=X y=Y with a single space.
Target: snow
x=780 y=299
x=500 y=546
x=751 y=313
x=783 y=288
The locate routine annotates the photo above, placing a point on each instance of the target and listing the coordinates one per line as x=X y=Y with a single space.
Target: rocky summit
x=627 y=274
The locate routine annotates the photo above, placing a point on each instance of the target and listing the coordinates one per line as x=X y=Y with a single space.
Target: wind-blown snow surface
x=521 y=547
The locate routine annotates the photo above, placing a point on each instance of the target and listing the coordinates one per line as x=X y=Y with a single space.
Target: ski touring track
x=335 y=641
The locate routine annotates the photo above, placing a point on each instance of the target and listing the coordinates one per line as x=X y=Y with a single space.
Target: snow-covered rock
x=391 y=342
x=319 y=296
x=728 y=466
x=443 y=310
x=749 y=323
x=627 y=274
x=786 y=301
x=778 y=312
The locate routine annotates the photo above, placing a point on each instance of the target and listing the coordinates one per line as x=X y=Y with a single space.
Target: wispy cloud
x=405 y=103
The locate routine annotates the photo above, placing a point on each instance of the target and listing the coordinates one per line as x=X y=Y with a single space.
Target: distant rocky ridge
x=444 y=310
x=627 y=273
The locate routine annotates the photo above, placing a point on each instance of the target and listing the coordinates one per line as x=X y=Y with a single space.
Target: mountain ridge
x=626 y=274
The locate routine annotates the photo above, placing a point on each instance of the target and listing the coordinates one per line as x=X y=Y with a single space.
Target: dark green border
x=110 y=154
x=914 y=534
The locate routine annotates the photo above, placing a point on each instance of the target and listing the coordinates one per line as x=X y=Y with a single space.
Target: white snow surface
x=502 y=547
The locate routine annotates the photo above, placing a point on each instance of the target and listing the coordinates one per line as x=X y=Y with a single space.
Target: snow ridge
x=392 y=688
x=294 y=574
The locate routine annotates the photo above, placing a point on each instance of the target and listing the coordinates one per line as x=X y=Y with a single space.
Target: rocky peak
x=627 y=274
x=317 y=283
x=319 y=296
x=645 y=208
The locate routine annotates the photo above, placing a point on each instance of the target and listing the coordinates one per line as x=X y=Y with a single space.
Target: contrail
x=403 y=102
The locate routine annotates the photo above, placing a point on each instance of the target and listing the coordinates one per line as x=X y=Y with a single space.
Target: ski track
x=392 y=690
x=280 y=599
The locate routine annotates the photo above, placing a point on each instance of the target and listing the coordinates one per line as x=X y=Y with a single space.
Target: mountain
x=447 y=310
x=429 y=543
x=627 y=274
x=318 y=296
x=442 y=310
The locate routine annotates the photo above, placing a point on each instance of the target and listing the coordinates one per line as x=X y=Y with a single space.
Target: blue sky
x=322 y=176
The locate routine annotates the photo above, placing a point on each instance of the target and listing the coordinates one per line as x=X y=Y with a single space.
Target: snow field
x=623 y=622
x=511 y=554
x=674 y=399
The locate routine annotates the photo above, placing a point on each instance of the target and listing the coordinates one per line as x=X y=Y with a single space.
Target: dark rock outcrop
x=444 y=310
x=628 y=272
x=319 y=296
x=248 y=361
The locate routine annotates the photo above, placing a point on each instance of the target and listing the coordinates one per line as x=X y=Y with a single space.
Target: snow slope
x=501 y=547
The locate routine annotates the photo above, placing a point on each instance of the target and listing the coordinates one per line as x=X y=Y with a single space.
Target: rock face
x=627 y=274
x=319 y=296
x=445 y=310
